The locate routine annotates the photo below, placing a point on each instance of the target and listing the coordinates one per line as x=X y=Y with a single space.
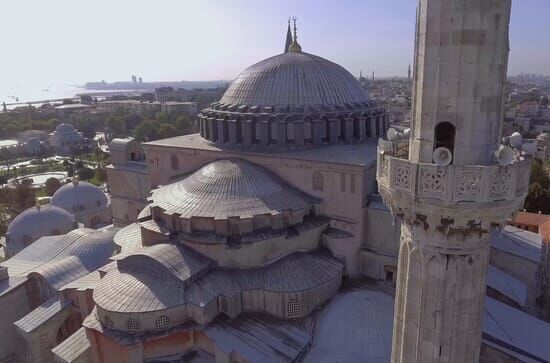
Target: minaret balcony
x=448 y=184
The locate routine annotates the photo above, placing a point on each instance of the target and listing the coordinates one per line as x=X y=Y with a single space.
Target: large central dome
x=294 y=79
x=292 y=100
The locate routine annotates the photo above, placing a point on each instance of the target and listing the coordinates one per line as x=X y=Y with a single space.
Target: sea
x=20 y=94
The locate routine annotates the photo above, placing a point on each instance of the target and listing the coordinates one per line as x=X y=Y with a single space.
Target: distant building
x=164 y=94
x=134 y=79
x=140 y=80
x=189 y=108
x=66 y=138
x=64 y=111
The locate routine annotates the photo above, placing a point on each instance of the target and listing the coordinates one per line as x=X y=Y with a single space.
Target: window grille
x=162 y=322
x=133 y=325
x=293 y=308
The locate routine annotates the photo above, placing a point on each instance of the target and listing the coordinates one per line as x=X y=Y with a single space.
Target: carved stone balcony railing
x=451 y=184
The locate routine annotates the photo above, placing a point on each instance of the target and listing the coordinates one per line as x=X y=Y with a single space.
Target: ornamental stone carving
x=402 y=175
x=468 y=184
x=433 y=181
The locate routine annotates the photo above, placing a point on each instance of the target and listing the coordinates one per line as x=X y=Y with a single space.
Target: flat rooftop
x=356 y=154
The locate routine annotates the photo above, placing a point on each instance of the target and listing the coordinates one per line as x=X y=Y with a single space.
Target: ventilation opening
x=445 y=136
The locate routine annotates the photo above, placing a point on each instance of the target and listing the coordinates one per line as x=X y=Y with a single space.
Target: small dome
x=37 y=222
x=297 y=79
x=79 y=197
x=229 y=188
x=65 y=128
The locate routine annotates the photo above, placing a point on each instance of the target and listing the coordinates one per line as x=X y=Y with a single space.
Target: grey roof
x=62 y=259
x=294 y=79
x=80 y=197
x=72 y=106
x=227 y=188
x=173 y=275
x=355 y=326
x=507 y=285
x=120 y=144
x=259 y=339
x=72 y=348
x=42 y=314
x=518 y=242
x=34 y=223
x=129 y=238
x=346 y=154
x=518 y=333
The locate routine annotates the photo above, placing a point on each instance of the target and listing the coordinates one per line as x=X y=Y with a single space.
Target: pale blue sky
x=76 y=41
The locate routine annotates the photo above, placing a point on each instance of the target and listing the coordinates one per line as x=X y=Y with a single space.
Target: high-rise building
x=134 y=79
x=448 y=190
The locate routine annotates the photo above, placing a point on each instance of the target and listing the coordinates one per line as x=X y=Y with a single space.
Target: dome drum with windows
x=293 y=100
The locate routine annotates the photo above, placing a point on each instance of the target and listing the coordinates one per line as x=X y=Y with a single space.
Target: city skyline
x=209 y=40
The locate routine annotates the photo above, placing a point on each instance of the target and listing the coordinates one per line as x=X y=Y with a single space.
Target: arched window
x=133 y=325
x=174 y=162
x=162 y=322
x=445 y=136
x=317 y=181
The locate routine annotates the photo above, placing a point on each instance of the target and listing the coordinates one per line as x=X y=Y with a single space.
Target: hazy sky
x=66 y=41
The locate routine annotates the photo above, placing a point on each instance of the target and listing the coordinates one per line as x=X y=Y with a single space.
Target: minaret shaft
x=448 y=201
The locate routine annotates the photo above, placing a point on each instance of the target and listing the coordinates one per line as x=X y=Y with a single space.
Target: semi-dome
x=79 y=197
x=37 y=222
x=65 y=128
x=229 y=188
x=294 y=79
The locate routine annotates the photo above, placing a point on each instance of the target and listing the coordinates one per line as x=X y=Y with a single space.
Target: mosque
x=273 y=235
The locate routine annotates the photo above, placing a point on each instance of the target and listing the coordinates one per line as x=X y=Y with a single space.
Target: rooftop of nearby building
x=518 y=242
x=530 y=219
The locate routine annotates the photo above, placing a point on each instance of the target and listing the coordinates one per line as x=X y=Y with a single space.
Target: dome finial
x=295 y=47
x=288 y=41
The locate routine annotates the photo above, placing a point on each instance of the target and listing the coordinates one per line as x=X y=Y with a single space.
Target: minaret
x=409 y=73
x=446 y=185
x=288 y=37
x=373 y=75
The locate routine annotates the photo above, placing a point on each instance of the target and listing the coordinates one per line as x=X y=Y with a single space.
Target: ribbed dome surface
x=227 y=188
x=79 y=197
x=294 y=79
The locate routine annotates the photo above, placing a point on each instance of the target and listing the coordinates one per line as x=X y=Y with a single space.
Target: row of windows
x=134 y=325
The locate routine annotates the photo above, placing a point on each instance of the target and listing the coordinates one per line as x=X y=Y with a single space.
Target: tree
x=167 y=130
x=539 y=175
x=24 y=196
x=51 y=185
x=538 y=196
x=117 y=125
x=184 y=124
x=101 y=175
x=85 y=173
x=3 y=180
x=79 y=164
x=147 y=130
